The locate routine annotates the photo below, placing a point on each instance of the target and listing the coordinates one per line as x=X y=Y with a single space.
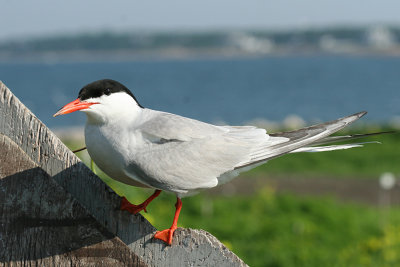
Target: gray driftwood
x=55 y=211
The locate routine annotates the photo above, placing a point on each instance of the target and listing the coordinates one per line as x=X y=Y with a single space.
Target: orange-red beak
x=74 y=106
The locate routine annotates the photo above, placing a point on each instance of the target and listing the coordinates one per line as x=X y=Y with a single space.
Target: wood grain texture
x=41 y=224
x=63 y=169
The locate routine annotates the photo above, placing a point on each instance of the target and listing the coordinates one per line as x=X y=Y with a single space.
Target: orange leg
x=126 y=205
x=166 y=235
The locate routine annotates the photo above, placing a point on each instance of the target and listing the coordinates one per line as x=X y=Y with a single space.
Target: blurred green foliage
x=269 y=229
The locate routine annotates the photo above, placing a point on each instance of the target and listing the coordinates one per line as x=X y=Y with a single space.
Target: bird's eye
x=107 y=91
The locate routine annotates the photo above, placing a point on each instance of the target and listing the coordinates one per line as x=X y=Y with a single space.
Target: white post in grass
x=387 y=182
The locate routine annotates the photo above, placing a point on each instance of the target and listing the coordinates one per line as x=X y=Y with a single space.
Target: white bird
x=148 y=148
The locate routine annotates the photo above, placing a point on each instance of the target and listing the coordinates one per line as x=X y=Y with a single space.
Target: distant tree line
x=200 y=41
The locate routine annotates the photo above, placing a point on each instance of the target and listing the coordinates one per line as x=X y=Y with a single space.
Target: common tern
x=148 y=148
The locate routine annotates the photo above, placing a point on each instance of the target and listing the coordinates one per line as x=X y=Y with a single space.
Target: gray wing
x=189 y=165
x=183 y=154
x=174 y=127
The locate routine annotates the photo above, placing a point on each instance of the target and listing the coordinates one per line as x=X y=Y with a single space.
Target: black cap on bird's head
x=95 y=90
x=103 y=87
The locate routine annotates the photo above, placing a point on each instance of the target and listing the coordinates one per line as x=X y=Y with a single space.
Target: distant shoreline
x=131 y=46
x=126 y=56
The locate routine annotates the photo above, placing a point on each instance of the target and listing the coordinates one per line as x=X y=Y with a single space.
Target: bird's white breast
x=112 y=149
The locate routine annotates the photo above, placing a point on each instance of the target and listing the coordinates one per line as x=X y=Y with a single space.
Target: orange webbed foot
x=165 y=235
x=134 y=209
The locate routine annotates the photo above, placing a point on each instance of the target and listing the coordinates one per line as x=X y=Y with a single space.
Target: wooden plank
x=41 y=224
x=190 y=247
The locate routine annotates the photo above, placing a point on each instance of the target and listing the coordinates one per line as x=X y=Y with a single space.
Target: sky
x=26 y=18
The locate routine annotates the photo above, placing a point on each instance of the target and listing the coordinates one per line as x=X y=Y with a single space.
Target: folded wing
x=184 y=154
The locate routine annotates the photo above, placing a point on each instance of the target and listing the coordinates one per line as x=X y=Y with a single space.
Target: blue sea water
x=234 y=91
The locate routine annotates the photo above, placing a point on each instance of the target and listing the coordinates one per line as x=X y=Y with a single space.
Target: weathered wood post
x=55 y=212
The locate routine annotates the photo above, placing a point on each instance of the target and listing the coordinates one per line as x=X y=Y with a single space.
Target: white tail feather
x=330 y=148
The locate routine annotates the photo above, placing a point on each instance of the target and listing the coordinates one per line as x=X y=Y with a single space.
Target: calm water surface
x=234 y=91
